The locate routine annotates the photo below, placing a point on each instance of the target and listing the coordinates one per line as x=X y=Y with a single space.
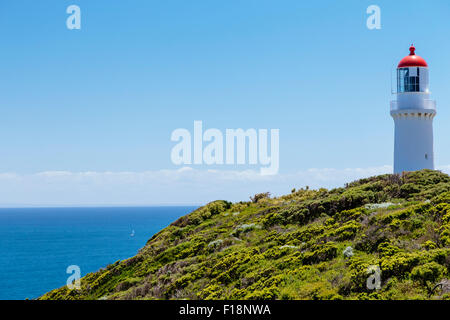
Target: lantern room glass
x=408 y=80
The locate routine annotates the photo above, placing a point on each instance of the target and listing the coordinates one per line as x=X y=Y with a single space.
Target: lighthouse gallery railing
x=425 y=104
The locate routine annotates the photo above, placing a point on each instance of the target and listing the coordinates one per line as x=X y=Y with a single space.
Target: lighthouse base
x=413 y=147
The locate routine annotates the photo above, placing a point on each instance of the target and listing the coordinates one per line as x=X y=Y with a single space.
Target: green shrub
x=427 y=274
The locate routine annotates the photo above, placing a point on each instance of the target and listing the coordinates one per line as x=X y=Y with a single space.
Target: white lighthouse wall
x=413 y=148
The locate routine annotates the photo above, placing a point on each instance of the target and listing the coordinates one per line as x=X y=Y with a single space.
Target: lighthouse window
x=408 y=81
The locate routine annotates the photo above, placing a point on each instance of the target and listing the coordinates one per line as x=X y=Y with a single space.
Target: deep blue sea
x=38 y=244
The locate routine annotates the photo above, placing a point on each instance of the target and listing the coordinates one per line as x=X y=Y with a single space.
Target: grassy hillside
x=292 y=247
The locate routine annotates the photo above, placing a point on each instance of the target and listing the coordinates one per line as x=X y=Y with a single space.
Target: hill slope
x=292 y=247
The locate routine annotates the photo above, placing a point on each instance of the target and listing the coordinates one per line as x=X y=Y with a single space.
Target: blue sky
x=105 y=99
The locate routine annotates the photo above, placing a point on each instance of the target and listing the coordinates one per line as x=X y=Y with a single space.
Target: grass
x=291 y=247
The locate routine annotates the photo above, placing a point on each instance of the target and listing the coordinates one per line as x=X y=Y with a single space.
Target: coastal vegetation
x=309 y=244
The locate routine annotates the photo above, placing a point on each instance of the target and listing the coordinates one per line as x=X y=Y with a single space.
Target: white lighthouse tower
x=413 y=114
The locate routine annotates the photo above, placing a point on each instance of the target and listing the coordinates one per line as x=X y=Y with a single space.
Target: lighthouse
x=413 y=112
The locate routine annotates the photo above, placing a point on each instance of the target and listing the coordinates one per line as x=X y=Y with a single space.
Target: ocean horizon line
x=87 y=206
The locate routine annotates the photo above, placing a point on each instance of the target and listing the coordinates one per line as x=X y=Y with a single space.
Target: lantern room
x=412 y=74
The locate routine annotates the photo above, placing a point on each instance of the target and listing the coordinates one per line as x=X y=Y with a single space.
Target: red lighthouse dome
x=412 y=60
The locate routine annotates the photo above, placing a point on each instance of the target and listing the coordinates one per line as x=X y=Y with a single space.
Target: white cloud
x=179 y=186
x=445 y=169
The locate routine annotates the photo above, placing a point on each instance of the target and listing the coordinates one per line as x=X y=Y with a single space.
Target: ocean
x=38 y=244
